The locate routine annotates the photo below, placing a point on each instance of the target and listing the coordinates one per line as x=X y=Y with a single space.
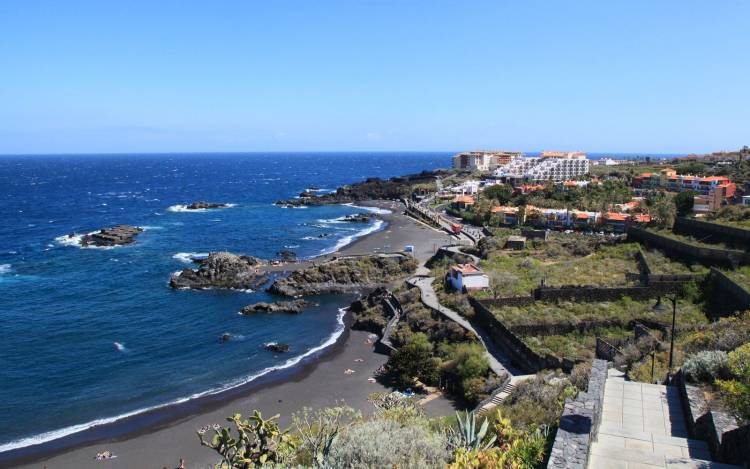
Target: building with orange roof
x=462 y=202
x=467 y=277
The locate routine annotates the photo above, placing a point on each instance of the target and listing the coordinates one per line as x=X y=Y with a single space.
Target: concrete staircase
x=643 y=426
x=499 y=397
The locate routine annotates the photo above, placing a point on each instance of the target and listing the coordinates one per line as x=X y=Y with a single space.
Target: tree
x=683 y=202
x=663 y=211
x=691 y=168
x=499 y=192
x=413 y=360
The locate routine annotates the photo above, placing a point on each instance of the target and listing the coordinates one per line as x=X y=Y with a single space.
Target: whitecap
x=183 y=208
x=55 y=434
x=377 y=210
x=150 y=227
x=346 y=240
x=187 y=257
x=120 y=347
x=75 y=241
x=5 y=269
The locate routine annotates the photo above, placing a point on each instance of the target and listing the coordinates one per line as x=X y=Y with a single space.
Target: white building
x=468 y=277
x=746 y=200
x=550 y=166
x=483 y=160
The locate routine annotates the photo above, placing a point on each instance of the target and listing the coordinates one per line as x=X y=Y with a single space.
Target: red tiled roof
x=467 y=269
x=615 y=216
x=467 y=199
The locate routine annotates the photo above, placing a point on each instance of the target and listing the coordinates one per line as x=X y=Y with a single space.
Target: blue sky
x=601 y=76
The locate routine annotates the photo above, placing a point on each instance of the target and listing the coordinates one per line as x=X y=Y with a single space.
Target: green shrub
x=705 y=367
x=387 y=444
x=580 y=374
x=736 y=392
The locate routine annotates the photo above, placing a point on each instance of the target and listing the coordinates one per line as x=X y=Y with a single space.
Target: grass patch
x=663 y=265
x=624 y=310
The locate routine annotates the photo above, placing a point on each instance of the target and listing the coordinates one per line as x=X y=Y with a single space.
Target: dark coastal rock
x=359 y=218
x=222 y=270
x=225 y=337
x=307 y=193
x=287 y=255
x=289 y=307
x=277 y=348
x=200 y=205
x=115 y=236
x=344 y=275
x=372 y=189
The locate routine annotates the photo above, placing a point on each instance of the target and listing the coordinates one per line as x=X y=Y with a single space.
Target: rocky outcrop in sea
x=115 y=236
x=289 y=307
x=201 y=205
x=222 y=270
x=277 y=348
x=348 y=274
x=358 y=218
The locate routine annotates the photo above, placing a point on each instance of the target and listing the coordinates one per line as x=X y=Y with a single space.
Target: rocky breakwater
x=222 y=270
x=346 y=274
x=202 y=205
x=115 y=236
x=289 y=307
x=395 y=188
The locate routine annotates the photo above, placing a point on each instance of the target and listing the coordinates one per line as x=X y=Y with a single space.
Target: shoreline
x=77 y=449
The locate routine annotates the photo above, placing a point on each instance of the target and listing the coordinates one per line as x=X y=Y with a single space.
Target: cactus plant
x=467 y=436
x=258 y=442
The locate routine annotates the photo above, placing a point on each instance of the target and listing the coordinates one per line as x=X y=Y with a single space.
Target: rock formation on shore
x=346 y=274
x=222 y=270
x=200 y=205
x=372 y=189
x=115 y=236
x=290 y=307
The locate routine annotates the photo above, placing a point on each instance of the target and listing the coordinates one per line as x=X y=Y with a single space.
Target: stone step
x=607 y=457
x=615 y=432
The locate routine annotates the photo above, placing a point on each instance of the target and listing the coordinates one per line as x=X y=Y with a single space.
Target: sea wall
x=579 y=423
x=728 y=443
x=713 y=232
x=684 y=251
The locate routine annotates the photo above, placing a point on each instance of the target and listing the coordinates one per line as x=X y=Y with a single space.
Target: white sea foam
x=75 y=241
x=5 y=269
x=346 y=240
x=150 y=227
x=187 y=257
x=183 y=208
x=120 y=347
x=55 y=434
x=378 y=210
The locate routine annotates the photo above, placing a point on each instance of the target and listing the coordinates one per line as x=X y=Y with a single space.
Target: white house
x=746 y=200
x=468 y=277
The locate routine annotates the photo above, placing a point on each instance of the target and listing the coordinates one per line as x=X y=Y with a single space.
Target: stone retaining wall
x=727 y=295
x=728 y=442
x=579 y=423
x=681 y=250
x=713 y=232
x=522 y=356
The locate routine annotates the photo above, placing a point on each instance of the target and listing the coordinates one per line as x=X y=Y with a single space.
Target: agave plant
x=467 y=436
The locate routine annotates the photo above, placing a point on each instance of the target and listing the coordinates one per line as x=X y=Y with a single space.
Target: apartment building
x=484 y=160
x=549 y=166
x=711 y=190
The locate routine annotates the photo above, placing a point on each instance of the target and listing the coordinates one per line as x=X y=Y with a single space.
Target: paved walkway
x=643 y=426
x=499 y=363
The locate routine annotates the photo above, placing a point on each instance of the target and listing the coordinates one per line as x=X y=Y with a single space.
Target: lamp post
x=660 y=307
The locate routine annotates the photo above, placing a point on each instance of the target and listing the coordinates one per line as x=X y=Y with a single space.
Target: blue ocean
x=90 y=335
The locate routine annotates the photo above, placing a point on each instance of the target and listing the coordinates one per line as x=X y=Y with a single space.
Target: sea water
x=91 y=335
